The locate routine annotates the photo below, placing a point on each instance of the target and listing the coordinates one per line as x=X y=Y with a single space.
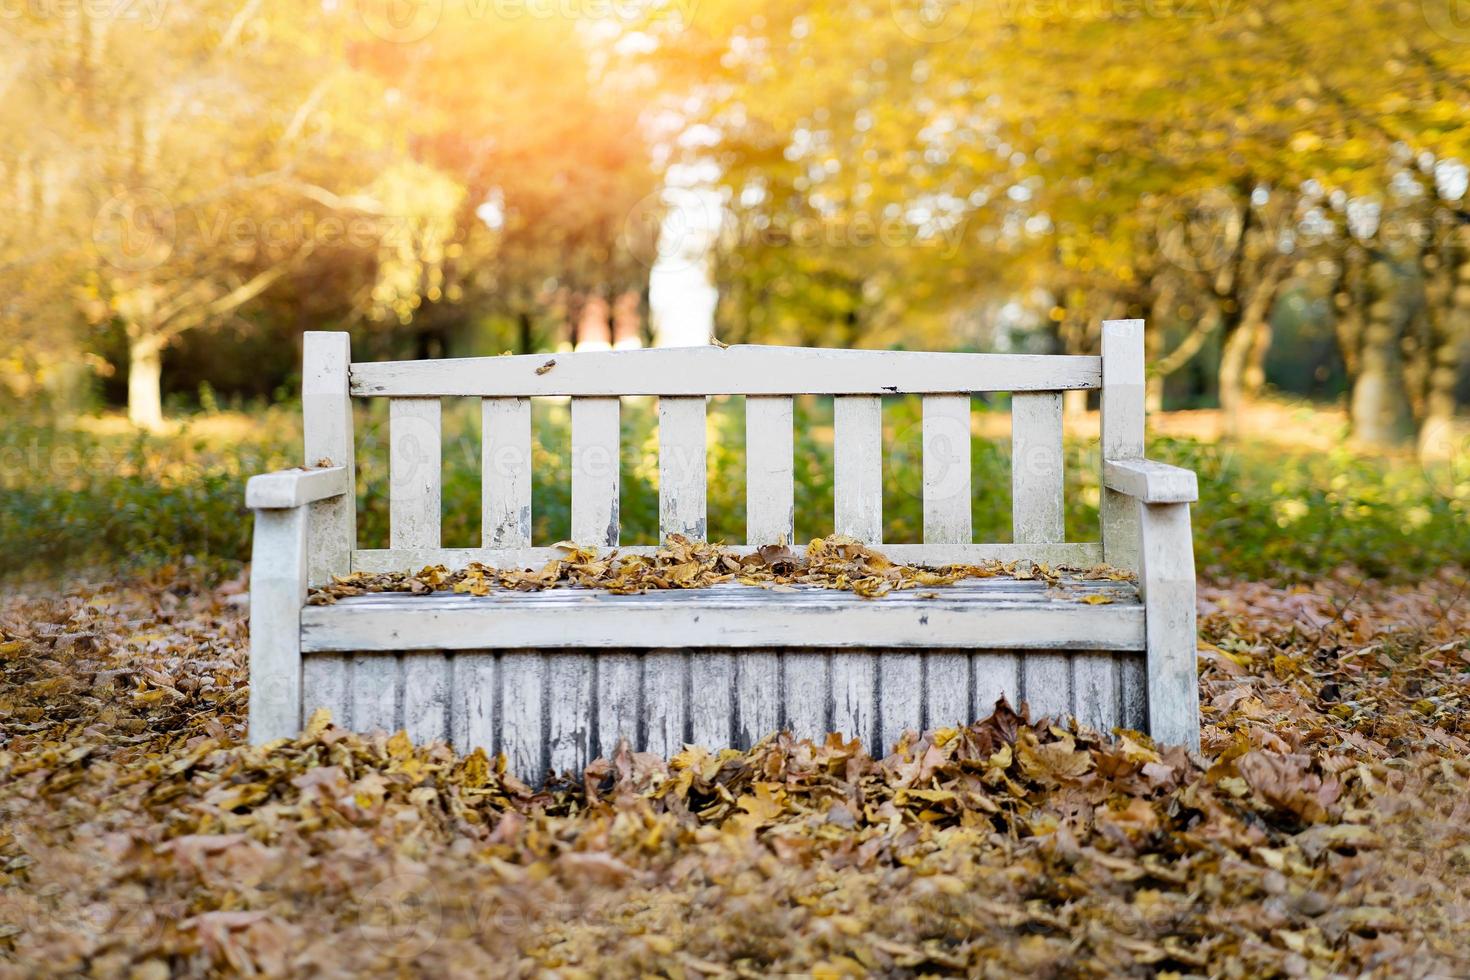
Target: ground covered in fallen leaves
x=1325 y=829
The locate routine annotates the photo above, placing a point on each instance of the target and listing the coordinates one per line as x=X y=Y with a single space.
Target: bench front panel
x=554 y=711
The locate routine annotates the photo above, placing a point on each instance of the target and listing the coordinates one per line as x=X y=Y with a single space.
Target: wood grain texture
x=1037 y=511
x=769 y=481
x=946 y=456
x=1169 y=604
x=1122 y=434
x=665 y=701
x=681 y=468
x=293 y=488
x=569 y=694
x=737 y=370
x=595 y=470
x=374 y=680
x=758 y=710
x=994 y=675
x=901 y=697
x=426 y=685
x=324 y=684
x=555 y=712
x=505 y=472
x=414 y=472
x=711 y=698
x=522 y=712
x=1151 y=482
x=1096 y=687
x=619 y=700
x=1133 y=692
x=727 y=616
x=278 y=575
x=946 y=689
x=804 y=692
x=854 y=681
x=326 y=408
x=1046 y=681
x=857 y=467
x=473 y=723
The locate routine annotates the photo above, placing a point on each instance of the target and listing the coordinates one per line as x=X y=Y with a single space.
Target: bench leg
x=277 y=592
x=1167 y=578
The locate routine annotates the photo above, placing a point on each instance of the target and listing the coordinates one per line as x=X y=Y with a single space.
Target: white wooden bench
x=554 y=679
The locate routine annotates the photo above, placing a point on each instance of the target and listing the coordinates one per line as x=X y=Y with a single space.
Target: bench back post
x=326 y=408
x=1122 y=434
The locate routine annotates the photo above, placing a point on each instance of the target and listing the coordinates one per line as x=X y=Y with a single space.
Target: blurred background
x=1278 y=188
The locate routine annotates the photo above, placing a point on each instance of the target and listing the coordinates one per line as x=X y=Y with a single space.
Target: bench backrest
x=681 y=379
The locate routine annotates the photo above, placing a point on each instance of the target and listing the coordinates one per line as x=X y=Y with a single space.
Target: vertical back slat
x=857 y=462
x=1037 y=515
x=326 y=410
x=947 y=469
x=595 y=436
x=769 y=483
x=426 y=696
x=757 y=695
x=569 y=708
x=522 y=703
x=665 y=700
x=901 y=697
x=505 y=472
x=413 y=472
x=1047 y=681
x=324 y=685
x=472 y=720
x=681 y=468
x=1122 y=434
x=1095 y=681
x=374 y=693
x=994 y=676
x=946 y=689
x=804 y=688
x=855 y=695
x=619 y=700
x=711 y=689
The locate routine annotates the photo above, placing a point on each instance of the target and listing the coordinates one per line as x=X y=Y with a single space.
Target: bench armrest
x=284 y=489
x=1151 y=482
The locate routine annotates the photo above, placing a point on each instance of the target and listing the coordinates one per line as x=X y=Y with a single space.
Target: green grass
x=95 y=498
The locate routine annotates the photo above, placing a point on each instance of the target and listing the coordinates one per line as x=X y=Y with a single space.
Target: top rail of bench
x=737 y=370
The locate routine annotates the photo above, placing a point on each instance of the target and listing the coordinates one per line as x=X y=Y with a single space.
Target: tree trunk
x=524 y=337
x=1436 y=435
x=145 y=381
x=1380 y=405
x=1233 y=355
x=1253 y=381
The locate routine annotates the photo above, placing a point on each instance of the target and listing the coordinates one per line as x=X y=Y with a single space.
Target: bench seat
x=995 y=613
